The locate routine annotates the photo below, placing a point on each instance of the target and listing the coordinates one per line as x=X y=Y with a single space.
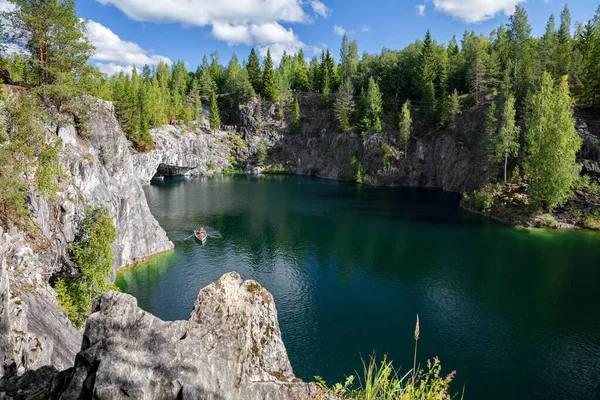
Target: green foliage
x=214 y=119
x=91 y=252
x=480 y=200
x=507 y=138
x=262 y=152
x=405 y=126
x=25 y=151
x=371 y=108
x=269 y=84
x=344 y=105
x=385 y=151
x=360 y=171
x=254 y=73
x=381 y=381
x=552 y=144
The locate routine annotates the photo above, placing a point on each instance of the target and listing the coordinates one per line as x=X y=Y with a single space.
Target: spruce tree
x=254 y=73
x=214 y=119
x=300 y=78
x=405 y=126
x=564 y=49
x=269 y=81
x=521 y=53
x=552 y=144
x=507 y=139
x=374 y=105
x=344 y=105
x=427 y=76
x=454 y=107
x=548 y=46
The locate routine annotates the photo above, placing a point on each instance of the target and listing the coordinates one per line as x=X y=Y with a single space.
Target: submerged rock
x=230 y=348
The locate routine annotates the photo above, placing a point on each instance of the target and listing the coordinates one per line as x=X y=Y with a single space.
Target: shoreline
x=146 y=260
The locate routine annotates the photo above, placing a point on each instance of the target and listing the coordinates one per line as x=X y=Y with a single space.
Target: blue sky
x=128 y=32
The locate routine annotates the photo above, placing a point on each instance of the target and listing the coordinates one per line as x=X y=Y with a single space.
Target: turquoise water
x=515 y=312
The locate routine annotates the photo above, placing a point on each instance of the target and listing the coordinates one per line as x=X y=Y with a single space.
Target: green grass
x=381 y=381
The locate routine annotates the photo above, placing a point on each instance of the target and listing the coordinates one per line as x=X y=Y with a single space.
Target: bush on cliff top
x=92 y=255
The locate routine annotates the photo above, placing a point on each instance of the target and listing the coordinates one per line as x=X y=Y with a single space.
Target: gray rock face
x=589 y=154
x=98 y=171
x=104 y=174
x=230 y=348
x=34 y=332
x=182 y=152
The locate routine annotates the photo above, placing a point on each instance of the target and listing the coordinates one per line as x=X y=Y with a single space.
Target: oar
x=189 y=236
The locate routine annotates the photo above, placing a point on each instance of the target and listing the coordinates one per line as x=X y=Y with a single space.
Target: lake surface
x=515 y=312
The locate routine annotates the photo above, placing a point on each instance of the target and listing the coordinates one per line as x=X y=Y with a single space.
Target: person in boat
x=201 y=233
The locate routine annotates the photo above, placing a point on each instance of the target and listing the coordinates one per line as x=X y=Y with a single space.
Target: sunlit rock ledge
x=230 y=348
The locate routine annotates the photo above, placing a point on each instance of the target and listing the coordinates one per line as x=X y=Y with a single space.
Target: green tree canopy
x=552 y=144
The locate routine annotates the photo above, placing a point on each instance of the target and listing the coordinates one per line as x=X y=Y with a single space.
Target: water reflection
x=350 y=266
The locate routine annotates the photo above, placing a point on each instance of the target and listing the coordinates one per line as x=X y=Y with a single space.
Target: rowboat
x=201 y=240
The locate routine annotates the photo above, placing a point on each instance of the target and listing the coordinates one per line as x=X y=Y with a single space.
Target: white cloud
x=319 y=8
x=6 y=6
x=115 y=54
x=473 y=11
x=207 y=12
x=267 y=35
x=366 y=29
x=112 y=68
x=250 y=22
x=420 y=10
x=339 y=30
x=277 y=50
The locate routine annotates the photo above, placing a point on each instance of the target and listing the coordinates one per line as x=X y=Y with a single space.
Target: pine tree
x=591 y=64
x=269 y=82
x=521 y=53
x=301 y=79
x=214 y=119
x=254 y=73
x=344 y=105
x=548 y=46
x=454 y=107
x=564 y=49
x=427 y=76
x=348 y=59
x=374 y=105
x=507 y=139
x=405 y=126
x=325 y=88
x=314 y=74
x=552 y=144
x=216 y=70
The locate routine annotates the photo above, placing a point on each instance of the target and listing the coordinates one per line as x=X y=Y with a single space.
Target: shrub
x=385 y=152
x=479 y=200
x=262 y=152
x=548 y=221
x=92 y=255
x=25 y=151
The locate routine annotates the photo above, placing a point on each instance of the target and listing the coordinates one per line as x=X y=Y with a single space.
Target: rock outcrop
x=589 y=154
x=103 y=173
x=230 y=348
x=96 y=171
x=33 y=332
x=179 y=151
